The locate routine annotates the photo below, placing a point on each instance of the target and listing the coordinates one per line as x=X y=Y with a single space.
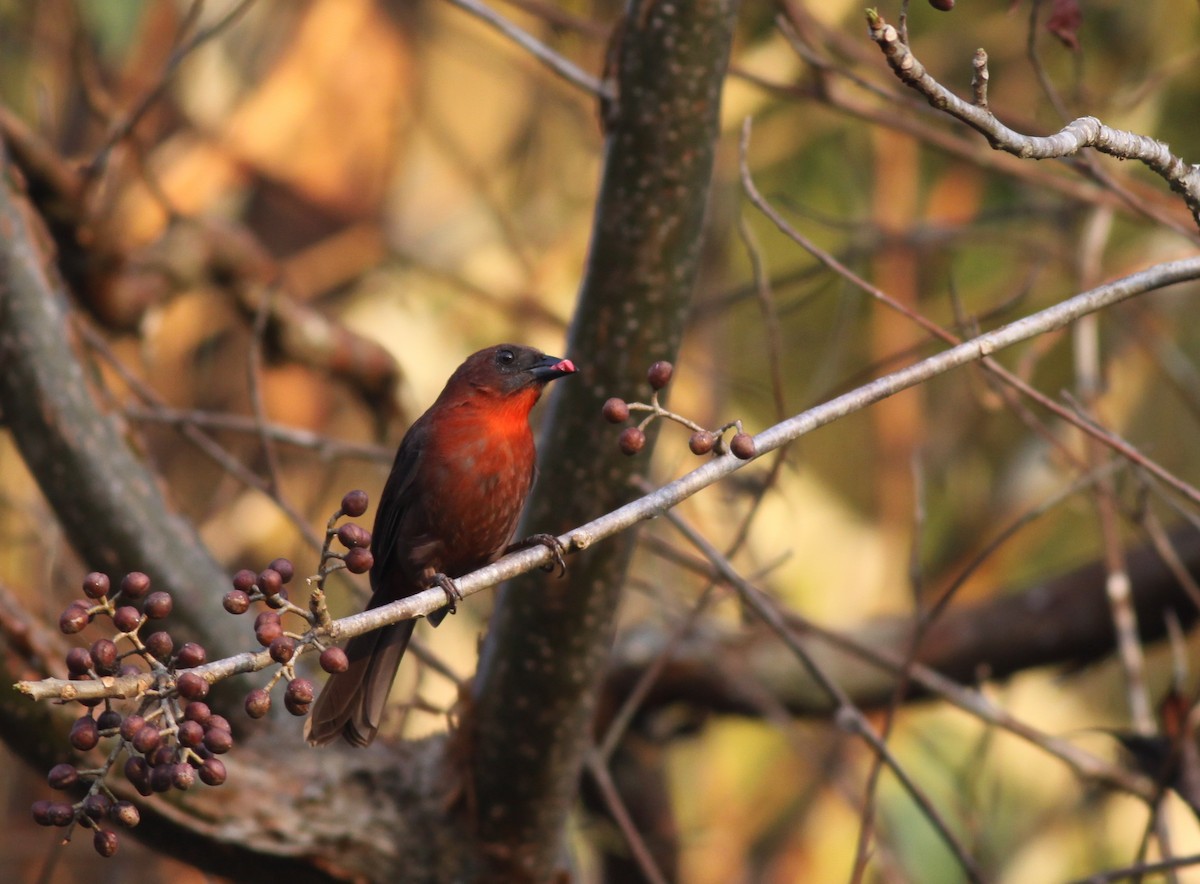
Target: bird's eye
x=505 y=357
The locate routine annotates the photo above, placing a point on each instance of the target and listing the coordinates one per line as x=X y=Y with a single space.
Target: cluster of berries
x=170 y=739
x=269 y=586
x=633 y=439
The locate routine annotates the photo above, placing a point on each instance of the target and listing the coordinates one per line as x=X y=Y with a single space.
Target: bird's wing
x=394 y=503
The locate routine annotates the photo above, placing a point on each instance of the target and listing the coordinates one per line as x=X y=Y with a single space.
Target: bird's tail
x=351 y=703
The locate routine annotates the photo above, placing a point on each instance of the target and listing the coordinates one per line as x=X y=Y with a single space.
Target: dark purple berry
x=160 y=644
x=85 y=734
x=702 y=442
x=282 y=649
x=79 y=661
x=109 y=720
x=73 y=619
x=191 y=686
x=104 y=656
x=131 y=726
x=284 y=568
x=147 y=739
x=359 y=560
x=334 y=660
x=191 y=734
x=298 y=696
x=631 y=440
x=197 y=712
x=218 y=741
x=352 y=536
x=126 y=618
x=105 y=842
x=158 y=605
x=243 y=580
x=191 y=655
x=212 y=771
x=182 y=776
x=135 y=585
x=270 y=582
x=236 y=602
x=258 y=703
x=96 y=585
x=354 y=504
x=659 y=374
x=742 y=446
x=97 y=806
x=615 y=410
x=62 y=776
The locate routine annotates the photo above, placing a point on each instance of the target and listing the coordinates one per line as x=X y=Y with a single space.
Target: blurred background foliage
x=426 y=184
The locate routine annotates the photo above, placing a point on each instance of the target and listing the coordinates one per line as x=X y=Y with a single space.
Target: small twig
x=633 y=838
x=565 y=68
x=1182 y=177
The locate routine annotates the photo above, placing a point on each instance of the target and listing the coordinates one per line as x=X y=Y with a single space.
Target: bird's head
x=507 y=370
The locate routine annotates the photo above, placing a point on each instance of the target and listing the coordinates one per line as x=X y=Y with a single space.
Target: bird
x=450 y=505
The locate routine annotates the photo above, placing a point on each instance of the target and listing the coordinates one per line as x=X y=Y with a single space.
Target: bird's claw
x=450 y=588
x=557 y=551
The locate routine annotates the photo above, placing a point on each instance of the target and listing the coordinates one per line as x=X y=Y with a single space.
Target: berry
x=334 y=660
x=97 y=806
x=41 y=812
x=104 y=655
x=236 y=602
x=631 y=440
x=212 y=771
x=73 y=619
x=354 y=504
x=219 y=723
x=160 y=644
x=659 y=374
x=105 y=842
x=298 y=696
x=270 y=582
x=160 y=778
x=352 y=536
x=84 y=734
x=191 y=686
x=742 y=446
x=62 y=776
x=268 y=631
x=285 y=568
x=126 y=618
x=96 y=585
x=134 y=585
x=702 y=442
x=60 y=813
x=146 y=740
x=282 y=649
x=191 y=734
x=125 y=813
x=182 y=776
x=79 y=661
x=131 y=725
x=244 y=580
x=615 y=410
x=258 y=703
x=191 y=655
x=197 y=712
x=158 y=605
x=218 y=741
x=109 y=720
x=359 y=560
x=943 y=5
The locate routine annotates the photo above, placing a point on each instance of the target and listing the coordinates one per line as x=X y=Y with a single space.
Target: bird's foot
x=552 y=543
x=450 y=588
